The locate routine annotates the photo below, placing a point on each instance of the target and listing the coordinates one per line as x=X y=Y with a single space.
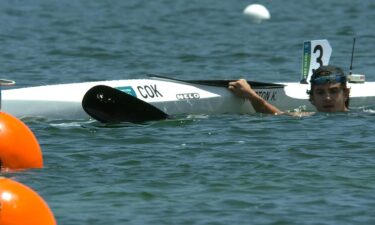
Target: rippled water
x=223 y=169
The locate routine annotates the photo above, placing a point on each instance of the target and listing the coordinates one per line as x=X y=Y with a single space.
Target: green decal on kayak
x=128 y=90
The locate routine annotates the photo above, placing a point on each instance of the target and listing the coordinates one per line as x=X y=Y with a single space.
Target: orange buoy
x=20 y=205
x=19 y=148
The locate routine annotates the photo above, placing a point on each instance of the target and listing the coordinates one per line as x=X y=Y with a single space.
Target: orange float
x=19 y=148
x=20 y=205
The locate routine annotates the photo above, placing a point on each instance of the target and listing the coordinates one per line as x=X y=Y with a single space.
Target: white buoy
x=257 y=12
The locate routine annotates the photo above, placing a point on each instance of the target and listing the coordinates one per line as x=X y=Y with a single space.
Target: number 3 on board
x=316 y=53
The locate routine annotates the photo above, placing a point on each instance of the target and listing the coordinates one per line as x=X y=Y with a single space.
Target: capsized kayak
x=173 y=97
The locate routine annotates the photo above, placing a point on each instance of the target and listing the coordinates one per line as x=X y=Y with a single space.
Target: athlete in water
x=328 y=92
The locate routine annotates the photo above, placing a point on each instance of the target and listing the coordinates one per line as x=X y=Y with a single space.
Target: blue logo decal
x=128 y=90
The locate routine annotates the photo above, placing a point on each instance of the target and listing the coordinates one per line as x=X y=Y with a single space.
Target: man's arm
x=242 y=89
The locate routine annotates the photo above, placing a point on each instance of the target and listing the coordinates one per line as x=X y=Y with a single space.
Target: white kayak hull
x=64 y=101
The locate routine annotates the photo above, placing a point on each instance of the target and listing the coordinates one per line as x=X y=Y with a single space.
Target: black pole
x=351 y=63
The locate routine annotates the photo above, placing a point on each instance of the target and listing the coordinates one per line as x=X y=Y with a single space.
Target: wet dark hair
x=328 y=74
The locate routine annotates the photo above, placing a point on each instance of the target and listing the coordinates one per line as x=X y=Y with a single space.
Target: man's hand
x=242 y=89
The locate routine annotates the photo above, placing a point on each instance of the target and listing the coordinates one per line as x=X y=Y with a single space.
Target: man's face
x=329 y=97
